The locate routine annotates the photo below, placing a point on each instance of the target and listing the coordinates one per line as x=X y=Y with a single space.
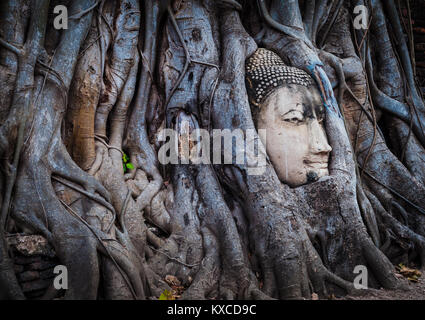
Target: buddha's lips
x=319 y=164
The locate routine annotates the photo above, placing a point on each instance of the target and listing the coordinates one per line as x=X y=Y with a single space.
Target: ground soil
x=415 y=291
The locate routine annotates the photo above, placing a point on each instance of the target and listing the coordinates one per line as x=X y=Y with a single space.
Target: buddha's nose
x=318 y=140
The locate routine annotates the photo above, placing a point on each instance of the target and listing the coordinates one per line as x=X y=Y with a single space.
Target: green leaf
x=166 y=295
x=125 y=169
x=129 y=166
x=124 y=158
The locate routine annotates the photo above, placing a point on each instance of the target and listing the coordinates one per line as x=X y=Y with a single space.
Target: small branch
x=403 y=51
x=108 y=253
x=175 y=259
x=331 y=23
x=87 y=194
x=11 y=47
x=187 y=55
x=320 y=12
x=25 y=80
x=359 y=47
x=411 y=38
x=101 y=140
x=422 y=211
x=233 y=3
x=395 y=107
x=92 y=43
x=189 y=60
x=289 y=31
x=57 y=75
x=122 y=213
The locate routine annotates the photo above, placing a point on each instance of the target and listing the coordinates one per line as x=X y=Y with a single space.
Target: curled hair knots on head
x=266 y=71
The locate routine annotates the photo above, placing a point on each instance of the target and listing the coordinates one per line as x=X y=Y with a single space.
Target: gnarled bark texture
x=80 y=119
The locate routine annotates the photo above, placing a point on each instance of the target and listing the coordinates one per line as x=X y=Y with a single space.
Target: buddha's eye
x=293 y=116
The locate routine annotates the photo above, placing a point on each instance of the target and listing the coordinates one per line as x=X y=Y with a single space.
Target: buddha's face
x=296 y=141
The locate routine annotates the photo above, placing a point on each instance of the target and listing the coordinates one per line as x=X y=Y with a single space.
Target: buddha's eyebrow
x=297 y=105
x=292 y=110
x=294 y=106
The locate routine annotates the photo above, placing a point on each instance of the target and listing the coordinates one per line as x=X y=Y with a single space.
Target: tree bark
x=81 y=116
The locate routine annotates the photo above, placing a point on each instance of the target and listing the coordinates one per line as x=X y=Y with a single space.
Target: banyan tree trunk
x=82 y=111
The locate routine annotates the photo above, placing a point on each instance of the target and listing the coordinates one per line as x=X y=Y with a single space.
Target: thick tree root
x=222 y=231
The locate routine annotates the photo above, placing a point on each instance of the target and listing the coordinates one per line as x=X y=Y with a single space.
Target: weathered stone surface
x=30 y=245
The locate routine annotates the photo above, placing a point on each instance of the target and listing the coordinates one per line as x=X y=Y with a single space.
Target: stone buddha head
x=286 y=102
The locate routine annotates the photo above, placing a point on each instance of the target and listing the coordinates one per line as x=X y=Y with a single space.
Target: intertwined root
x=222 y=232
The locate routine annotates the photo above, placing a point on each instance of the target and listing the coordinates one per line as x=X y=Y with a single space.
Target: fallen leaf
x=166 y=295
x=172 y=280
